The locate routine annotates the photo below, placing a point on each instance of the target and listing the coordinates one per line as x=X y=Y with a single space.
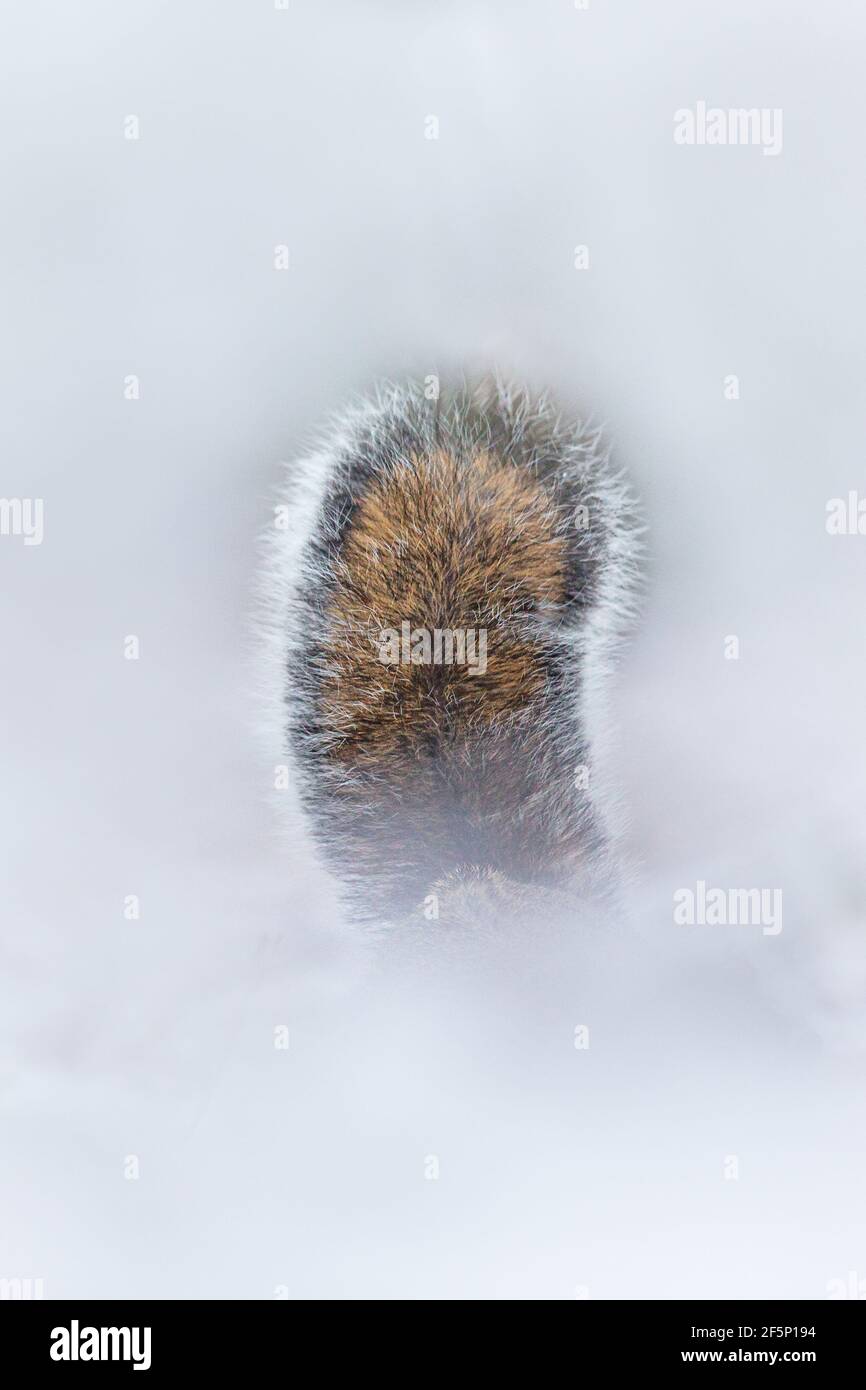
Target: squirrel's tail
x=456 y=574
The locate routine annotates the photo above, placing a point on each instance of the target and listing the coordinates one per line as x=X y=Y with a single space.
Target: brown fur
x=446 y=543
x=439 y=545
x=481 y=512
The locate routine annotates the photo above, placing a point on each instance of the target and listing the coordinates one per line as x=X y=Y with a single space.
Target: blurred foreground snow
x=431 y=1129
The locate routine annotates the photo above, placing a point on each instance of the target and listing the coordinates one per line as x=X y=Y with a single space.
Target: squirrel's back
x=449 y=586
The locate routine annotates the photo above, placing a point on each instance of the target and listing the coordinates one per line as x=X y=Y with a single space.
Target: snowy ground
x=562 y=1171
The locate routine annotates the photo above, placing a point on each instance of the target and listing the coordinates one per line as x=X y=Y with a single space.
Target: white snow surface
x=312 y=1170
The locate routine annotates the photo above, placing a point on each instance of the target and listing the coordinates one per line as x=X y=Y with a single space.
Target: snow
x=311 y=1170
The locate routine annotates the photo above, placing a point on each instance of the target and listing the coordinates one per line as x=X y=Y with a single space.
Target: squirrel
x=451 y=581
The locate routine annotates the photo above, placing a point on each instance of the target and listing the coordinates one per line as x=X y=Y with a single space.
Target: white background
x=559 y=1170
